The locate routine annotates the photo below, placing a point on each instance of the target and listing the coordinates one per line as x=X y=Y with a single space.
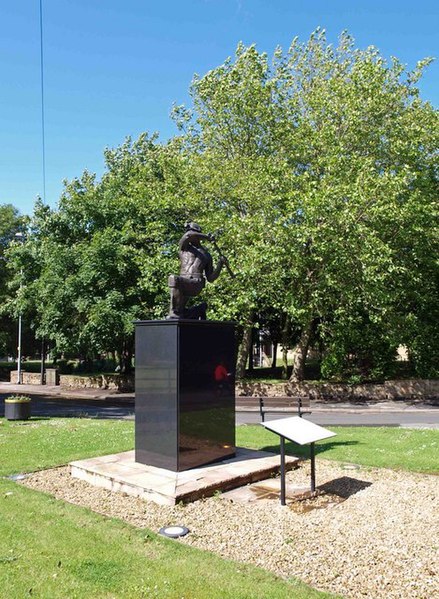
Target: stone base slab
x=119 y=472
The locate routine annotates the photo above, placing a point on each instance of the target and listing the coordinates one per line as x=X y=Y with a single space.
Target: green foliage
x=10 y=224
x=320 y=168
x=358 y=349
x=323 y=166
x=99 y=261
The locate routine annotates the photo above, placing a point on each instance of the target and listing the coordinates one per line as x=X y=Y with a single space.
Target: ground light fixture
x=173 y=532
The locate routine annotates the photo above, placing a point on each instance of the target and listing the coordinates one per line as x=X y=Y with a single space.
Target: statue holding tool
x=196 y=266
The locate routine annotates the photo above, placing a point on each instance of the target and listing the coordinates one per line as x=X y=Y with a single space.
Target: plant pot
x=17 y=409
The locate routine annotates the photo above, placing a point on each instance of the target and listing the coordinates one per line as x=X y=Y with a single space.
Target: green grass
x=381 y=447
x=52 y=549
x=44 y=442
x=49 y=548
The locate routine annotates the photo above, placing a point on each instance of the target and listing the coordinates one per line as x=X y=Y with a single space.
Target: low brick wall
x=123 y=383
x=389 y=390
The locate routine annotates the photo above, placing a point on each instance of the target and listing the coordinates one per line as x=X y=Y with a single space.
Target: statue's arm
x=190 y=236
x=213 y=273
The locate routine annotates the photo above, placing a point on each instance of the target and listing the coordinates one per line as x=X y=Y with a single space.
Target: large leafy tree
x=236 y=175
x=101 y=259
x=321 y=165
x=10 y=224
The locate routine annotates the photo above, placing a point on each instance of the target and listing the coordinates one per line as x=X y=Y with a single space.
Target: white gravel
x=382 y=541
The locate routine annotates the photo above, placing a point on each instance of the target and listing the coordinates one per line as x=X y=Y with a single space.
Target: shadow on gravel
x=344 y=487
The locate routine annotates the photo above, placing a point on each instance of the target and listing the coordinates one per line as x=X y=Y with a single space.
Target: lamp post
x=19 y=351
x=19 y=237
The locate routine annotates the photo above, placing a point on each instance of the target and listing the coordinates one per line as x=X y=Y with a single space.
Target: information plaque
x=302 y=432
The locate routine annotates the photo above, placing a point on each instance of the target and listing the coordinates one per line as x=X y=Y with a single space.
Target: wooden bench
x=277 y=404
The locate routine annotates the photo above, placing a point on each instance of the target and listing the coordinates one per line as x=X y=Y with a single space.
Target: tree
x=10 y=224
x=319 y=166
x=323 y=167
x=100 y=261
x=235 y=177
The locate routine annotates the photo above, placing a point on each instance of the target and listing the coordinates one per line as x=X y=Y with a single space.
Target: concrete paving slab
x=267 y=489
x=120 y=473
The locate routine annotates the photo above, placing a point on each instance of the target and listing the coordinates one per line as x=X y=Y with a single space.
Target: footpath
x=115 y=397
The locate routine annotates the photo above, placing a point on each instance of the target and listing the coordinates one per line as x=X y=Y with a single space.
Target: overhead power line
x=43 y=136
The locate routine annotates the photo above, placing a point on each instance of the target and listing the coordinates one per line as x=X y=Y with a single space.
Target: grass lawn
x=40 y=443
x=51 y=549
x=381 y=447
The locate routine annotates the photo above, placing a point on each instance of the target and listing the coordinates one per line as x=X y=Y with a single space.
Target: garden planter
x=17 y=408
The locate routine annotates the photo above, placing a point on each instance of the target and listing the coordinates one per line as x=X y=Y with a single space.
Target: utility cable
x=43 y=136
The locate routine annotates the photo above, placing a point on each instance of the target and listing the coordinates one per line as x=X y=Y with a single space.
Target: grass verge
x=49 y=548
x=40 y=443
x=52 y=549
x=381 y=447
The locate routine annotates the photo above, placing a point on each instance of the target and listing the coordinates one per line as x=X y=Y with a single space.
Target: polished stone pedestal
x=185 y=405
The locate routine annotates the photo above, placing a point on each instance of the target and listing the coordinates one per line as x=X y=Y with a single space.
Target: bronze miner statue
x=196 y=265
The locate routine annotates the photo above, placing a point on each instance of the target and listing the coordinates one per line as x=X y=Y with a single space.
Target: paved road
x=48 y=405
x=413 y=419
x=122 y=406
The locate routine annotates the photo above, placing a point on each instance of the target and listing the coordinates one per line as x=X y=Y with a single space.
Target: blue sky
x=114 y=68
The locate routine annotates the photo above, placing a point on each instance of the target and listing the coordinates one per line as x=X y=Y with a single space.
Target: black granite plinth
x=185 y=403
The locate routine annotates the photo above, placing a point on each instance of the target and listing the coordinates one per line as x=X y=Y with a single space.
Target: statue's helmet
x=193 y=227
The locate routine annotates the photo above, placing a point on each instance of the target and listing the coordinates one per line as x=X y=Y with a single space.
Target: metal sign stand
x=302 y=432
x=313 y=467
x=282 y=470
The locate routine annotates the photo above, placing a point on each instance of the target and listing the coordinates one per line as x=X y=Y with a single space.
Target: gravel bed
x=368 y=533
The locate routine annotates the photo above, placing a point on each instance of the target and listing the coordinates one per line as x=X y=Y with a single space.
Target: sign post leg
x=282 y=471
x=313 y=468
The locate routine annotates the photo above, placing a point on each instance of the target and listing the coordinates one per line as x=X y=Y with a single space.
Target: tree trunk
x=126 y=356
x=284 y=374
x=300 y=354
x=285 y=343
x=250 y=352
x=244 y=348
x=274 y=357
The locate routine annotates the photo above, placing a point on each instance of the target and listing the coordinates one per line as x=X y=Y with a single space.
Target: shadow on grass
x=30 y=420
x=304 y=450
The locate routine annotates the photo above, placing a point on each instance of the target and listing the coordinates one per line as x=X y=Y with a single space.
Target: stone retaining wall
x=123 y=383
x=389 y=390
x=27 y=378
